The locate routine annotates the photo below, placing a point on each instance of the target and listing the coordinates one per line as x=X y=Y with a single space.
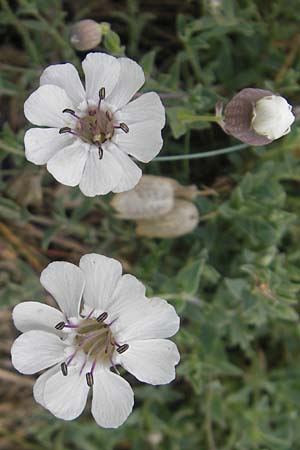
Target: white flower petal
x=67 y=165
x=131 y=79
x=39 y=385
x=45 y=105
x=154 y=318
x=41 y=144
x=36 y=350
x=146 y=107
x=128 y=295
x=143 y=141
x=36 y=316
x=102 y=275
x=131 y=172
x=100 y=176
x=151 y=361
x=66 y=77
x=100 y=70
x=112 y=399
x=66 y=396
x=65 y=282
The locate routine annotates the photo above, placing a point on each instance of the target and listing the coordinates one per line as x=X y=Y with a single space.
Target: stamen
x=102 y=93
x=69 y=111
x=100 y=151
x=102 y=317
x=108 y=341
x=64 y=369
x=89 y=375
x=60 y=326
x=90 y=313
x=88 y=354
x=113 y=321
x=69 y=130
x=123 y=348
x=101 y=97
x=124 y=127
x=89 y=379
x=70 y=325
x=65 y=130
x=84 y=363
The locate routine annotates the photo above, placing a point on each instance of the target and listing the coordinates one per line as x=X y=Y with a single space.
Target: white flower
x=93 y=131
x=117 y=324
x=272 y=117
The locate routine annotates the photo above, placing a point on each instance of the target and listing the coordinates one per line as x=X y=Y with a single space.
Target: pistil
x=95 y=339
x=96 y=127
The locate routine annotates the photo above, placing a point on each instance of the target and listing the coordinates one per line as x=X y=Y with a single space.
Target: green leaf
x=190 y=275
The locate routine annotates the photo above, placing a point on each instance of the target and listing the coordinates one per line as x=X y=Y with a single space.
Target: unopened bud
x=257 y=116
x=86 y=34
x=182 y=219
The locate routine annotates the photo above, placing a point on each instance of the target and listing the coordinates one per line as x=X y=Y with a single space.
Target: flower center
x=95 y=340
x=96 y=127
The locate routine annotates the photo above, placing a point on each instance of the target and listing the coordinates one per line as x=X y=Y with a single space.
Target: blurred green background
x=234 y=281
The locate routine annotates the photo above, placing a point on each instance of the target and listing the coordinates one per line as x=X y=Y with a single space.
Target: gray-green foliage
x=235 y=281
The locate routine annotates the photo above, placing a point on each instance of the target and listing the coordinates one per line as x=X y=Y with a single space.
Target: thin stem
x=189 y=118
x=221 y=151
x=186 y=164
x=7 y=148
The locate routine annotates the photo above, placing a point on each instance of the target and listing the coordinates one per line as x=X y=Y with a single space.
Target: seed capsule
x=182 y=219
x=152 y=197
x=257 y=116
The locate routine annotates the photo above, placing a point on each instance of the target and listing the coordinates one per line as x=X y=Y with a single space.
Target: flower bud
x=181 y=220
x=257 y=116
x=85 y=34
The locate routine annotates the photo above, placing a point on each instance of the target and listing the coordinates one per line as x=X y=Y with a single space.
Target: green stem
x=221 y=151
x=189 y=118
x=186 y=164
